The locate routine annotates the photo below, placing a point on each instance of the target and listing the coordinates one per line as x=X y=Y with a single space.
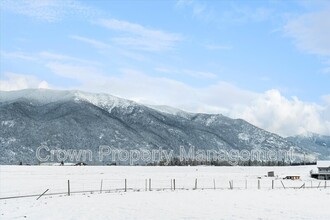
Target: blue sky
x=264 y=61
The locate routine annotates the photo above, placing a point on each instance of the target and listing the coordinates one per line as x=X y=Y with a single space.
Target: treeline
x=177 y=162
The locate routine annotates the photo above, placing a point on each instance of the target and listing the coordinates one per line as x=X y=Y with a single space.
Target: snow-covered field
x=245 y=201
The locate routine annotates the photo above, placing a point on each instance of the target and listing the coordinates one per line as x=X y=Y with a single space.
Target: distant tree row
x=177 y=162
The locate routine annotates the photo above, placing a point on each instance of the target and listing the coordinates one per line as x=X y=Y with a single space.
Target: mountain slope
x=313 y=143
x=79 y=120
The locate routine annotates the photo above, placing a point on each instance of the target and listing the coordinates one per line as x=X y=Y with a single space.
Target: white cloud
x=243 y=14
x=93 y=42
x=16 y=55
x=311 y=32
x=48 y=10
x=104 y=47
x=227 y=14
x=275 y=113
x=200 y=74
x=74 y=71
x=60 y=57
x=14 y=81
x=326 y=99
x=186 y=72
x=198 y=10
x=135 y=85
x=136 y=36
x=43 y=85
x=326 y=70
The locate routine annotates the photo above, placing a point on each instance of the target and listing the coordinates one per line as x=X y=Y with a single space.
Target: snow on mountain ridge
x=103 y=100
x=307 y=134
x=171 y=110
x=41 y=95
x=46 y=96
x=165 y=109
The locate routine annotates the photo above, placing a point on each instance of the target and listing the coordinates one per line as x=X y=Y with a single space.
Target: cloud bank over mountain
x=269 y=110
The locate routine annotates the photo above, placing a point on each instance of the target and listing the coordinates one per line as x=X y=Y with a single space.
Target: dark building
x=323 y=172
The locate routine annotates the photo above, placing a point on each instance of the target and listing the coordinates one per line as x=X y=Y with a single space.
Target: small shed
x=270 y=174
x=323 y=166
x=292 y=177
x=81 y=164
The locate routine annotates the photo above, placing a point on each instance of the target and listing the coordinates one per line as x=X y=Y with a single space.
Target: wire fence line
x=70 y=187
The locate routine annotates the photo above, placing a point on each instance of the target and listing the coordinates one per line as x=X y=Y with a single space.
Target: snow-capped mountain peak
x=45 y=96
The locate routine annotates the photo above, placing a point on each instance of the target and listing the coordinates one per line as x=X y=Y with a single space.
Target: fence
x=77 y=186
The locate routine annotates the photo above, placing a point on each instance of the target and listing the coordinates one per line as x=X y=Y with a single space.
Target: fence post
x=146 y=184
x=245 y=184
x=302 y=186
x=272 y=184
x=325 y=184
x=68 y=187
x=174 y=184
x=125 y=185
x=319 y=184
x=43 y=194
x=258 y=184
x=195 y=183
x=214 y=183
x=150 y=184
x=101 y=186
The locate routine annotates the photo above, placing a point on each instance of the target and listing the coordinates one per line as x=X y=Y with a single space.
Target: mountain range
x=59 y=119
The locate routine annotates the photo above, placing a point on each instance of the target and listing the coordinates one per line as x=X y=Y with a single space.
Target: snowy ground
x=222 y=203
